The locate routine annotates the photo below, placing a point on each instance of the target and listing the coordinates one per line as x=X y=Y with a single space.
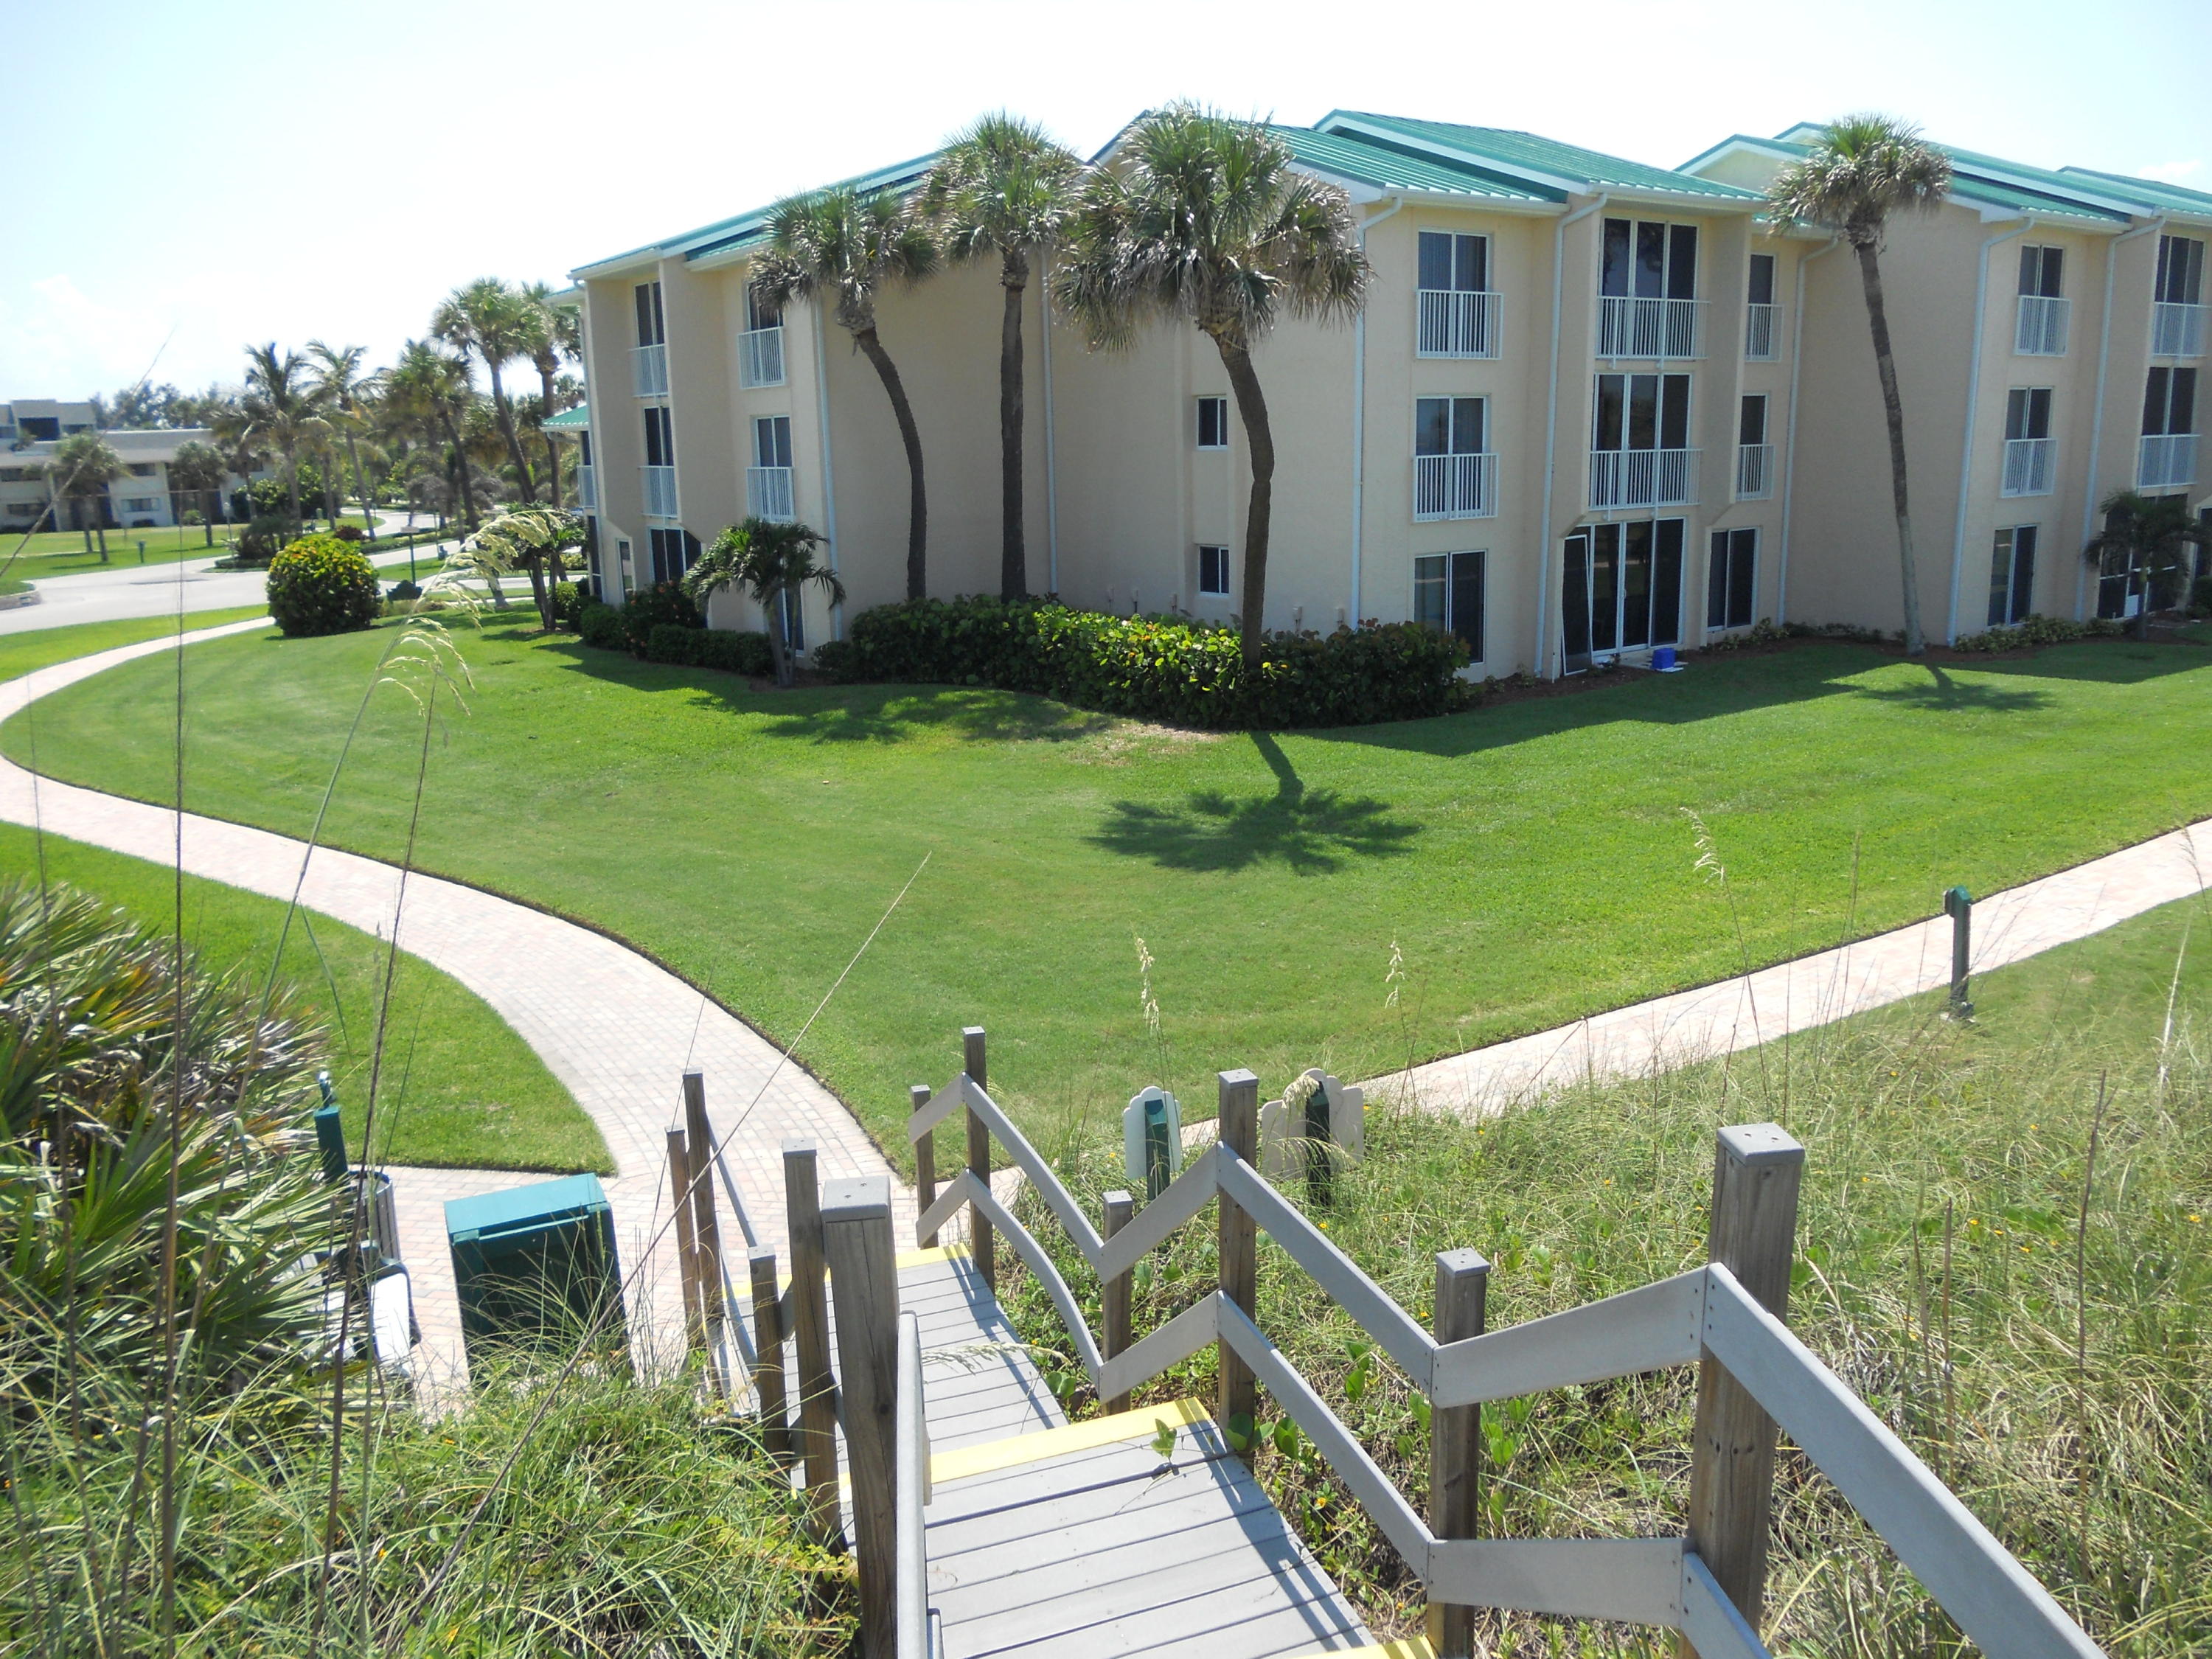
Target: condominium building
x=1566 y=425
x=141 y=499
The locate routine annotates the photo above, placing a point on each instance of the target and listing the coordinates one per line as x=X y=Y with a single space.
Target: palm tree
x=488 y=319
x=1863 y=169
x=551 y=334
x=79 y=469
x=1200 y=215
x=2145 y=539
x=281 y=410
x=1004 y=187
x=836 y=249
x=348 y=391
x=772 y=562
x=431 y=388
x=199 y=469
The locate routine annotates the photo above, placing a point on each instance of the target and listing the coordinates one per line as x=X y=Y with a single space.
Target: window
x=1732 y=583
x=583 y=447
x=772 y=441
x=2181 y=271
x=660 y=436
x=791 y=607
x=2012 y=575
x=2170 y=403
x=768 y=481
x=1213 y=422
x=1751 y=423
x=1453 y=264
x=674 y=551
x=143 y=468
x=759 y=313
x=1454 y=476
x=1642 y=412
x=1762 y=279
x=1212 y=569
x=629 y=570
x=2028 y=445
x=2027 y=413
x=1758 y=311
x=139 y=504
x=1755 y=456
x=2042 y=271
x=651 y=322
x=1448 y=426
x=1457 y=311
x=41 y=428
x=1650 y=260
x=1448 y=596
x=1621 y=588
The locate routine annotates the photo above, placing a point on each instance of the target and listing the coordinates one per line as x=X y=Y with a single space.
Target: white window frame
x=1455 y=483
x=1221 y=551
x=1220 y=401
x=2005 y=547
x=1445 y=620
x=1455 y=321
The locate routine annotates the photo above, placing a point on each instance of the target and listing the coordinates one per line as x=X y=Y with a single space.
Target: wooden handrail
x=912 y=1492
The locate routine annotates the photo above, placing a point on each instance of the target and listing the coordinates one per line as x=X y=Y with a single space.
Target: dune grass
x=1948 y=1199
x=1530 y=859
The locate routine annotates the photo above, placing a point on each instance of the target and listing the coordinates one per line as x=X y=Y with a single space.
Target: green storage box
x=535 y=1263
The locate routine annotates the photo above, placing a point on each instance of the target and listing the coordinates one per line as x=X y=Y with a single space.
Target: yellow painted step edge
x=1413 y=1648
x=1142 y=1424
x=902 y=1261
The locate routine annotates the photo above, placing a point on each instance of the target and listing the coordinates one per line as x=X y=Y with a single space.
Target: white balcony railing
x=2027 y=466
x=2177 y=331
x=767 y=493
x=1643 y=477
x=659 y=486
x=1457 y=324
x=587 y=489
x=649 y=370
x=1761 y=328
x=1754 y=471
x=1455 y=486
x=760 y=357
x=2165 y=461
x=1630 y=327
x=2039 y=331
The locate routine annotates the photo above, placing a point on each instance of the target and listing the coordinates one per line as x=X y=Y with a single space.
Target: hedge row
x=659 y=624
x=1168 y=669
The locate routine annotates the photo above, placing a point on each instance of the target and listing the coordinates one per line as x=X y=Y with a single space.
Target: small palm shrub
x=261 y=539
x=319 y=585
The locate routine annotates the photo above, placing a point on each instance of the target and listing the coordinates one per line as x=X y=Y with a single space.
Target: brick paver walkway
x=617 y=1030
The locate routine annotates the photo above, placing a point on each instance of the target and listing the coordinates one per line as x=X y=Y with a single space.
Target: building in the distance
x=141 y=499
x=1591 y=407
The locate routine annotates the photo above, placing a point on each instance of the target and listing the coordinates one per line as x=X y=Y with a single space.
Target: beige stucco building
x=1592 y=407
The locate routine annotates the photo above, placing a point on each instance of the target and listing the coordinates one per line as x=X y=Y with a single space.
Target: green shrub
x=1164 y=668
x=651 y=607
x=405 y=591
x=318 y=584
x=2040 y=630
x=599 y=625
x=261 y=539
x=348 y=532
x=568 y=598
x=2200 y=598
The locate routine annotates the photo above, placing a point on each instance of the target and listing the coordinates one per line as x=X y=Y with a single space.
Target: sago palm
x=1201 y=216
x=1862 y=170
x=1003 y=187
x=2146 y=541
x=774 y=562
x=349 y=392
x=488 y=320
x=837 y=249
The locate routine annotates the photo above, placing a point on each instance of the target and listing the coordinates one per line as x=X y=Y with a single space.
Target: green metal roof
x=578 y=419
x=2152 y=193
x=1525 y=159
x=2019 y=189
x=1361 y=160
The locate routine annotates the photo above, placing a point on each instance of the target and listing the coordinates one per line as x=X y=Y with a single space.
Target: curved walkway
x=617 y=1029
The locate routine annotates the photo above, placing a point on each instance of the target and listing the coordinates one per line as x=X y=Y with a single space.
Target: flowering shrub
x=1164 y=668
x=2040 y=630
x=319 y=585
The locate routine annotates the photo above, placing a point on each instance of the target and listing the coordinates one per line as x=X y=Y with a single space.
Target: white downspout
x=829 y=478
x=1051 y=468
x=1359 y=425
x=1552 y=421
x=1973 y=408
x=1790 y=463
x=2097 y=417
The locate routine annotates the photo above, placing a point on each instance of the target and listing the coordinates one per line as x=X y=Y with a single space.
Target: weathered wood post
x=1959 y=905
x=1456 y=1441
x=980 y=1238
x=767 y=1354
x=924 y=1167
x=1757 y=1170
x=856 y=1235
x=687 y=1247
x=1114 y=1295
x=707 y=1226
x=1237 y=1249
x=810 y=1330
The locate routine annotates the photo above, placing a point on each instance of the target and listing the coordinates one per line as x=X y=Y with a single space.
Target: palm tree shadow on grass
x=1941 y=691
x=1314 y=831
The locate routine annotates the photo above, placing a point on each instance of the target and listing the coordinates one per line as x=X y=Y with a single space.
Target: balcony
x=767 y=493
x=1455 y=486
x=1631 y=327
x=1456 y=324
x=659 y=485
x=760 y=357
x=2177 y=331
x=1754 y=471
x=2167 y=462
x=648 y=368
x=587 y=489
x=1762 y=327
x=2027 y=466
x=1643 y=477
x=2039 y=330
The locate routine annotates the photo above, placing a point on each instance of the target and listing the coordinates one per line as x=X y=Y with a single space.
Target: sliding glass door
x=1620 y=590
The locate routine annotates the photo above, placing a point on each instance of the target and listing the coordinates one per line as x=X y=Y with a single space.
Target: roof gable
x=1530 y=160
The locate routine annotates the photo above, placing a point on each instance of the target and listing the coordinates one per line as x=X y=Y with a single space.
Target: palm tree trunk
x=552 y=454
x=1013 y=561
x=1260 y=437
x=460 y=460
x=507 y=430
x=207 y=519
x=917 y=520
x=778 y=648
x=1893 y=410
x=353 y=454
x=292 y=489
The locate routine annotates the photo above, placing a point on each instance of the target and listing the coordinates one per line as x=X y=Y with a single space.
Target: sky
x=193 y=175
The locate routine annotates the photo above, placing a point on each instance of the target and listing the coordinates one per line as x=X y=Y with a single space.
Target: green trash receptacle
x=534 y=1263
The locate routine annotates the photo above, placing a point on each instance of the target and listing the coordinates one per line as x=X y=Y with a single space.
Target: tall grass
x=2035 y=1328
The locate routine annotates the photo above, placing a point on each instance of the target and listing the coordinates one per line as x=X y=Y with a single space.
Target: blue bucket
x=1662 y=659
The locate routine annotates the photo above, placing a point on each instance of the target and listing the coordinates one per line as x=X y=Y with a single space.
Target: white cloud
x=2174 y=173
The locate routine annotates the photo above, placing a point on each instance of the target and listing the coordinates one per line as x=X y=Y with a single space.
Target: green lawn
x=1532 y=861
x=41 y=647
x=61 y=553
x=461 y=1087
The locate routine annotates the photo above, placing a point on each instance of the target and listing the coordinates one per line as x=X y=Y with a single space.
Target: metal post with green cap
x=1959 y=905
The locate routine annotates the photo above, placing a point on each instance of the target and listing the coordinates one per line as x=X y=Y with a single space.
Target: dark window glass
x=2027 y=412
x=2042 y=271
x=1762 y=279
x=1732 y=582
x=1613 y=275
x=1212 y=569
x=1436 y=259
x=1750 y=424
x=2182 y=415
x=1651 y=260
x=1635 y=584
x=2180 y=271
x=1681 y=261
x=759 y=313
x=1575 y=602
x=1606 y=432
x=1642 y=411
x=583 y=447
x=659 y=438
x=1605 y=587
x=1433 y=426
x=1467 y=426
x=1467 y=601
x=2156 y=392
x=1666 y=583
x=1471 y=264
x=1675 y=416
x=772 y=441
x=652 y=328
x=1213 y=422
x=2012 y=575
